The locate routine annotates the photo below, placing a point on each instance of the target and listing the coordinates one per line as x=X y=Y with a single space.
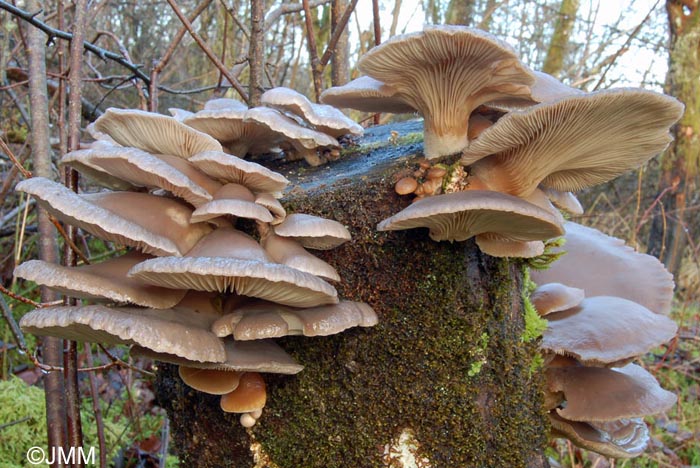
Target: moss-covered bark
x=446 y=359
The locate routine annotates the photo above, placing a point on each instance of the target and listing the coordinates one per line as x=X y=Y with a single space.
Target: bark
x=680 y=164
x=559 y=45
x=52 y=348
x=460 y=12
x=446 y=359
x=256 y=51
x=340 y=65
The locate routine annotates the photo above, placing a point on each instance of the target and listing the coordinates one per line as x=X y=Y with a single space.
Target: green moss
x=549 y=255
x=479 y=354
x=534 y=324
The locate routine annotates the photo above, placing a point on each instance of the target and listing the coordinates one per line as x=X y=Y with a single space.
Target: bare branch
x=288 y=8
x=342 y=24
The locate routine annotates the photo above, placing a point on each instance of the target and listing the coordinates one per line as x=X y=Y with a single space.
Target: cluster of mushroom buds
x=287 y=120
x=192 y=289
x=523 y=140
x=606 y=305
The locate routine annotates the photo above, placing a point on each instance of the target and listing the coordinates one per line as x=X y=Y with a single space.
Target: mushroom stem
x=238 y=148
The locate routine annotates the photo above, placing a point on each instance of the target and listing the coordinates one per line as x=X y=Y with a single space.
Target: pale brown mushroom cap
x=574 y=142
x=228 y=260
x=152 y=224
x=625 y=438
x=224 y=103
x=80 y=161
x=224 y=124
x=260 y=320
x=154 y=133
x=606 y=330
x=141 y=169
x=244 y=356
x=235 y=200
x=250 y=395
x=499 y=246
x=323 y=118
x=445 y=73
x=291 y=253
x=566 y=201
x=211 y=381
x=602 y=394
x=100 y=281
x=461 y=215
x=177 y=331
x=232 y=169
x=179 y=114
x=273 y=205
x=313 y=232
x=555 y=297
x=546 y=88
x=367 y=95
x=628 y=274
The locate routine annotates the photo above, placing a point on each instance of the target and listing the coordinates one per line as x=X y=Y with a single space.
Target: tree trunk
x=340 y=64
x=446 y=360
x=460 y=12
x=559 y=45
x=256 y=51
x=679 y=166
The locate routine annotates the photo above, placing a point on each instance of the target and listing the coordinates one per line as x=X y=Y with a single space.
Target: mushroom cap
x=624 y=438
x=224 y=103
x=367 y=95
x=152 y=224
x=141 y=169
x=631 y=275
x=211 y=381
x=555 y=297
x=499 y=246
x=461 y=215
x=235 y=200
x=250 y=395
x=567 y=201
x=291 y=253
x=606 y=330
x=179 y=114
x=260 y=320
x=546 y=88
x=313 y=232
x=244 y=356
x=273 y=205
x=80 y=161
x=293 y=133
x=232 y=169
x=602 y=394
x=224 y=124
x=445 y=72
x=228 y=260
x=100 y=281
x=154 y=133
x=178 y=331
x=323 y=118
x=575 y=142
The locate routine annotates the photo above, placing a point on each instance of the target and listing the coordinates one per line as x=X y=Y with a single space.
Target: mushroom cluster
x=287 y=120
x=524 y=140
x=597 y=324
x=191 y=289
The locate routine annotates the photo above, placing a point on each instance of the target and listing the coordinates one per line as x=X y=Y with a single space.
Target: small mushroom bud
x=432 y=186
x=406 y=185
x=419 y=190
x=424 y=164
x=333 y=154
x=256 y=414
x=418 y=173
x=247 y=420
x=436 y=173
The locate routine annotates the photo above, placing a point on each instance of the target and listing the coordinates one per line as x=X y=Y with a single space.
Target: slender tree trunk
x=680 y=164
x=395 y=18
x=445 y=362
x=256 y=51
x=559 y=45
x=52 y=348
x=460 y=12
x=340 y=66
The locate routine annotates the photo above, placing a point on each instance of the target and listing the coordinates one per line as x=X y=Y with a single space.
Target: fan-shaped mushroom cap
x=313 y=232
x=180 y=114
x=624 y=438
x=275 y=207
x=244 y=356
x=323 y=118
x=368 y=95
x=445 y=73
x=250 y=395
x=291 y=253
x=260 y=320
x=212 y=381
x=235 y=200
x=232 y=169
x=80 y=161
x=154 y=133
x=574 y=142
x=606 y=330
x=228 y=260
x=461 y=215
x=631 y=275
x=546 y=88
x=177 y=331
x=567 y=201
x=100 y=281
x=555 y=297
x=142 y=169
x=152 y=224
x=224 y=103
x=602 y=394
x=499 y=246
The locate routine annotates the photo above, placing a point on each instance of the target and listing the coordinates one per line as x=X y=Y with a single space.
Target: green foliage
x=534 y=324
x=479 y=352
x=543 y=261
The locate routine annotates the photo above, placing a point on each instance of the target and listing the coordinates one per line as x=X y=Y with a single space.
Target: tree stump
x=446 y=363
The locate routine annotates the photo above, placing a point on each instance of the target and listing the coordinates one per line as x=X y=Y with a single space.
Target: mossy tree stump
x=446 y=359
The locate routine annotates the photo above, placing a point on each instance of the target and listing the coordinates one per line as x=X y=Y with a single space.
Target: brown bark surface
x=446 y=359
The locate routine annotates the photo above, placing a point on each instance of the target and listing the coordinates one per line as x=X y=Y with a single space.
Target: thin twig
x=342 y=24
x=68 y=240
x=26 y=173
x=99 y=423
x=164 y=442
x=316 y=68
x=209 y=53
x=288 y=8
